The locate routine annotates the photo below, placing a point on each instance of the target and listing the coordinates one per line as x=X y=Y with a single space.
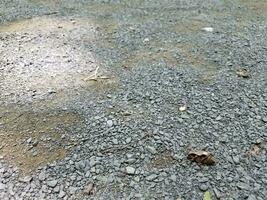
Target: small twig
x=96 y=71
x=95 y=77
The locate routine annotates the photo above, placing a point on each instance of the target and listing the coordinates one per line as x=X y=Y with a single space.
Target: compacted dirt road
x=106 y=99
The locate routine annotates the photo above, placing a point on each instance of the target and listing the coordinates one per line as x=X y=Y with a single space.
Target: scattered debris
x=242 y=73
x=146 y=40
x=256 y=149
x=207 y=196
x=201 y=157
x=96 y=76
x=208 y=29
x=89 y=189
x=182 y=108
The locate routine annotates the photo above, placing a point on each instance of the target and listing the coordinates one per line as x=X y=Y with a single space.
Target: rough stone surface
x=52 y=183
x=130 y=170
x=91 y=92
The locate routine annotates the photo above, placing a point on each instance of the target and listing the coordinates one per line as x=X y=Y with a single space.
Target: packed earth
x=133 y=99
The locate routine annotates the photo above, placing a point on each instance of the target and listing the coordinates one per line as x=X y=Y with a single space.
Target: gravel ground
x=104 y=99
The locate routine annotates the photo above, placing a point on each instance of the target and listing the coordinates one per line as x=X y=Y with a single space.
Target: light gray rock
x=128 y=140
x=115 y=141
x=151 y=177
x=56 y=189
x=110 y=123
x=61 y=194
x=203 y=180
x=80 y=165
x=130 y=170
x=173 y=178
x=151 y=149
x=236 y=159
x=203 y=187
x=42 y=176
x=35 y=153
x=25 y=179
x=2 y=186
x=52 y=183
x=252 y=197
x=29 y=140
x=73 y=190
x=243 y=186
x=217 y=193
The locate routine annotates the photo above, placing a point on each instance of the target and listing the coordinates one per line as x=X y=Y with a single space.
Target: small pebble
x=130 y=170
x=52 y=183
x=203 y=187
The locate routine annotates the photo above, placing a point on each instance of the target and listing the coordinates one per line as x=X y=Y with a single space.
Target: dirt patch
x=76 y=28
x=173 y=54
x=189 y=27
x=207 y=77
x=256 y=5
x=44 y=55
x=143 y=56
x=163 y=160
x=102 y=84
x=32 y=139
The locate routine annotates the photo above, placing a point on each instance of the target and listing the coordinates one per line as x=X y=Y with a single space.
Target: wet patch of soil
x=32 y=139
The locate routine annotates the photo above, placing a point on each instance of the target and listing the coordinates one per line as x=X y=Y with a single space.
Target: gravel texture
x=104 y=99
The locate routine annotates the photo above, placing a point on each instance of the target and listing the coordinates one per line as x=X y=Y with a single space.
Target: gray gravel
x=124 y=132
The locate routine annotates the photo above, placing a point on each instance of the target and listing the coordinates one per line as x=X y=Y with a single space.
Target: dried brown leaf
x=201 y=157
x=256 y=149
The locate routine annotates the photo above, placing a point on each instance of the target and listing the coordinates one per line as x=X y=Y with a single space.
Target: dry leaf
x=256 y=149
x=88 y=190
x=201 y=157
x=242 y=73
x=182 y=108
